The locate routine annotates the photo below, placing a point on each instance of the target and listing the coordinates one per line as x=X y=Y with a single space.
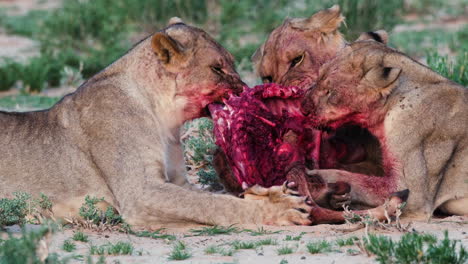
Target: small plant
x=27 y=249
x=346 y=241
x=9 y=71
x=416 y=248
x=244 y=245
x=261 y=231
x=226 y=252
x=455 y=71
x=352 y=252
x=266 y=242
x=284 y=250
x=13 y=211
x=199 y=147
x=381 y=246
x=219 y=250
x=68 y=245
x=211 y=250
x=155 y=234
x=319 y=247
x=35 y=74
x=70 y=76
x=80 y=236
x=44 y=202
x=294 y=238
x=283 y=261
x=97 y=250
x=119 y=248
x=215 y=230
x=90 y=212
x=179 y=252
x=446 y=251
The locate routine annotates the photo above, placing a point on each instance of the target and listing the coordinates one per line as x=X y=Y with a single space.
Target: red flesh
x=251 y=129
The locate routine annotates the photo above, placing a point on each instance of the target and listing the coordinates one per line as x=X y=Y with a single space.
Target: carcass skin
x=253 y=131
x=267 y=140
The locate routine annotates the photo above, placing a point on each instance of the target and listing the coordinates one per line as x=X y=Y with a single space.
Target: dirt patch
x=22 y=7
x=17 y=47
x=149 y=250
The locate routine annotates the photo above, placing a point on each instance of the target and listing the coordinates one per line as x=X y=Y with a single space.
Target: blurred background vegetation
x=74 y=39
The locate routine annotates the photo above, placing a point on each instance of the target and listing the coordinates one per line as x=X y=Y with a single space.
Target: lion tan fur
x=418 y=116
x=117 y=137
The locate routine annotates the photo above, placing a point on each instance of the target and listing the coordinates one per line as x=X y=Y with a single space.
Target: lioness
x=117 y=137
x=292 y=56
x=418 y=116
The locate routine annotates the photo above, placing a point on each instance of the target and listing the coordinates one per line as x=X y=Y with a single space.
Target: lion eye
x=296 y=61
x=217 y=69
x=267 y=79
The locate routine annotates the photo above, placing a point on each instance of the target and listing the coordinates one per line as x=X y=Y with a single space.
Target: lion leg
x=327 y=195
x=326 y=216
x=455 y=207
x=366 y=190
x=317 y=189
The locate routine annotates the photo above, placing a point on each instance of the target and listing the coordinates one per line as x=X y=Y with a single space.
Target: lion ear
x=166 y=48
x=383 y=78
x=326 y=21
x=257 y=56
x=379 y=36
x=175 y=20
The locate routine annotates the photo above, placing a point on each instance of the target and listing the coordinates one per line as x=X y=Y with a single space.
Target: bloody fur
x=253 y=131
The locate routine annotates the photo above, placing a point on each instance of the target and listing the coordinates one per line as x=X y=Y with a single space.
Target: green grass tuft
x=455 y=71
x=155 y=234
x=243 y=245
x=24 y=249
x=210 y=250
x=261 y=231
x=416 y=248
x=319 y=247
x=90 y=212
x=68 y=246
x=13 y=211
x=9 y=70
x=294 y=238
x=80 y=236
x=346 y=241
x=284 y=250
x=215 y=230
x=119 y=248
x=179 y=252
x=266 y=242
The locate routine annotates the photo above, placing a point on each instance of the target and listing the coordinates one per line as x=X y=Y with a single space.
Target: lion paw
x=282 y=205
x=339 y=195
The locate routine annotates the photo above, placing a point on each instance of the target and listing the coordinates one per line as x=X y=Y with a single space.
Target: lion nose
x=307 y=104
x=238 y=86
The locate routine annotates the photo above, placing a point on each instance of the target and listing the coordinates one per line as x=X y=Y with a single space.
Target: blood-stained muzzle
x=307 y=103
x=235 y=83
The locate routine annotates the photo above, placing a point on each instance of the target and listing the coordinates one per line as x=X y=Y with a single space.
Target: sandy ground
x=17 y=47
x=21 y=7
x=149 y=250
